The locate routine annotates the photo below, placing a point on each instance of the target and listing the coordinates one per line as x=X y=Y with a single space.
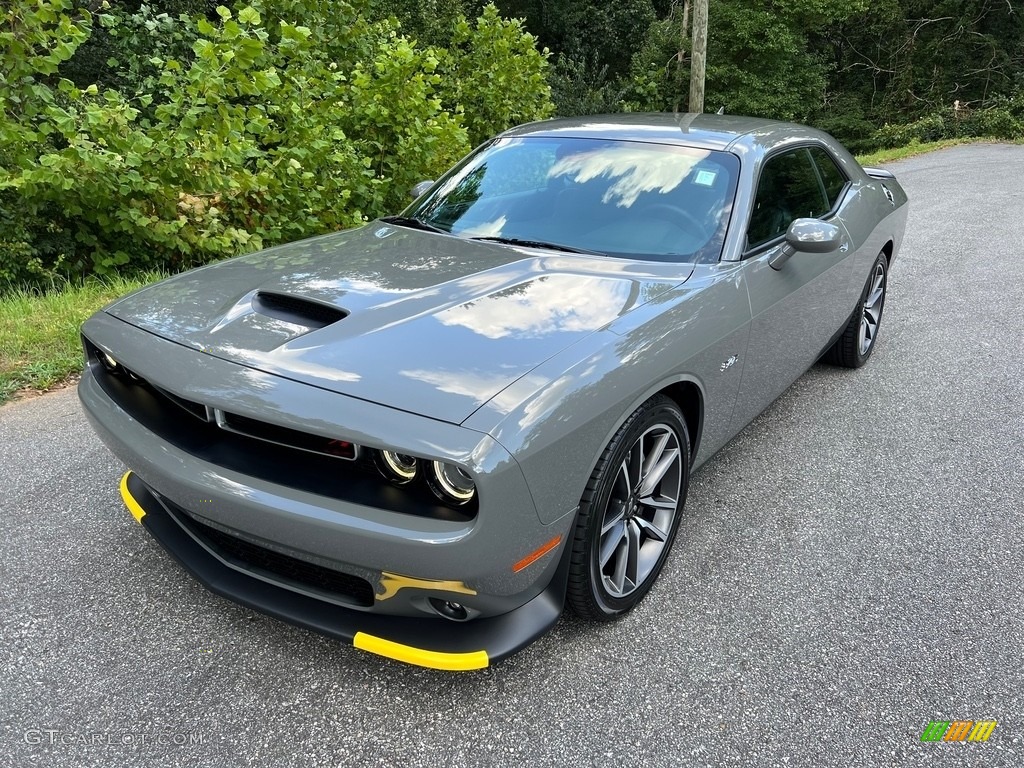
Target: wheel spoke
x=618 y=577
x=654 y=454
x=622 y=481
x=877 y=288
x=871 y=311
x=874 y=296
x=870 y=324
x=651 y=529
x=632 y=555
x=613 y=519
x=651 y=479
x=662 y=502
x=611 y=543
x=871 y=315
x=636 y=461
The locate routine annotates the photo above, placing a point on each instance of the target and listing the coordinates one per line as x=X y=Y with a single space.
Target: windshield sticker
x=705 y=178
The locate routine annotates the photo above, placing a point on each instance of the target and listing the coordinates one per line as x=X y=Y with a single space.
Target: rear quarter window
x=833 y=178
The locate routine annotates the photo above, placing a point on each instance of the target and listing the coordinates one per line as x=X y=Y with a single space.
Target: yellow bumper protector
x=392 y=582
x=450 y=662
x=129 y=501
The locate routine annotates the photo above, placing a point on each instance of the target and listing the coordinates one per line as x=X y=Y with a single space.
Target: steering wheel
x=677 y=215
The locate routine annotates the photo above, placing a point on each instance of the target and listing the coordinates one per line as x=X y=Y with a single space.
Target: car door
x=796 y=309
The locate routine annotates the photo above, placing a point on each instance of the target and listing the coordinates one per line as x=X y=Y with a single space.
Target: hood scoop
x=299 y=311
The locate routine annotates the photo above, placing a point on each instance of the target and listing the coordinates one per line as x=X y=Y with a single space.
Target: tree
x=698 y=68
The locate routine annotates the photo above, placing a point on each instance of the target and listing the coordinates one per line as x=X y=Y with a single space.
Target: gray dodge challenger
x=426 y=435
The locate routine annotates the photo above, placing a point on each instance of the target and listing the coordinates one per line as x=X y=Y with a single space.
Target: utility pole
x=699 y=57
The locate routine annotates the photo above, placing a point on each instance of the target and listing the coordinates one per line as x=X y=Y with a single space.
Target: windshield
x=620 y=198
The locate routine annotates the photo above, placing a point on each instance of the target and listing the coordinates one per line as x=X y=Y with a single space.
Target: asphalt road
x=850 y=568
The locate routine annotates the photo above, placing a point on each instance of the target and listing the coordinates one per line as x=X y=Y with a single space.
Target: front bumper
x=426 y=642
x=357 y=564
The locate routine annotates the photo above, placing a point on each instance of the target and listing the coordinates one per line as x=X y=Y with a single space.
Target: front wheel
x=630 y=512
x=854 y=347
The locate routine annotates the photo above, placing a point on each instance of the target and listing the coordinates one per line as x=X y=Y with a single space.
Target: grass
x=39 y=342
x=911 y=150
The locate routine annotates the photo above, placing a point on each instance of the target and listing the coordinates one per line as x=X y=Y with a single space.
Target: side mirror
x=420 y=188
x=807 y=236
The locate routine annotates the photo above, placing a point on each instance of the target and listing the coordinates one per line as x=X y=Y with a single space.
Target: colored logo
x=959 y=730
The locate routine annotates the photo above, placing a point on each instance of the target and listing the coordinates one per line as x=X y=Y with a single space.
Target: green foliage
x=996 y=122
x=931 y=128
x=581 y=86
x=605 y=32
x=18 y=262
x=401 y=130
x=30 y=242
x=166 y=133
x=234 y=133
x=905 y=64
x=660 y=72
x=759 y=61
x=36 y=38
x=40 y=343
x=594 y=44
x=495 y=74
x=847 y=66
x=429 y=22
x=844 y=116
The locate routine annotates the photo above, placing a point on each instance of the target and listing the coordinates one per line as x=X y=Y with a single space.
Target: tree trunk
x=698 y=59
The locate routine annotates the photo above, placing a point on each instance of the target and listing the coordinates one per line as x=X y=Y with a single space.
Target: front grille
x=272 y=433
x=196 y=409
x=251 y=556
x=333 y=468
x=243 y=425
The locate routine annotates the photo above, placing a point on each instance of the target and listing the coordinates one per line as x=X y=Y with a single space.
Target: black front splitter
x=426 y=642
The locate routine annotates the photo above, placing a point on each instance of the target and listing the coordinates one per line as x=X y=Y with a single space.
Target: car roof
x=692 y=130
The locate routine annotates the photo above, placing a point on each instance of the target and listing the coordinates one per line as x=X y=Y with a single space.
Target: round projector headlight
x=108 y=362
x=450 y=483
x=399 y=468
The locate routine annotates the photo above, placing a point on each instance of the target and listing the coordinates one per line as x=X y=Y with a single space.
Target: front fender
x=557 y=420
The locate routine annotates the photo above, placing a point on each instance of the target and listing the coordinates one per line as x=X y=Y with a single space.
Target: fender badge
x=729 y=363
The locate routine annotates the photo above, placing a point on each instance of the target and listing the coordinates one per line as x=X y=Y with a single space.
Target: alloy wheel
x=871 y=312
x=641 y=511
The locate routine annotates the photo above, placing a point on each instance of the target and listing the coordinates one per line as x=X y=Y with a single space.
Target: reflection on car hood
x=435 y=324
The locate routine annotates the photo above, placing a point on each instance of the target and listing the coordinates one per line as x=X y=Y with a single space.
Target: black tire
x=618 y=488
x=854 y=347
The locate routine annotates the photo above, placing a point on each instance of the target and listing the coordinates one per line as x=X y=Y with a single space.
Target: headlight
x=399 y=468
x=450 y=483
x=108 y=362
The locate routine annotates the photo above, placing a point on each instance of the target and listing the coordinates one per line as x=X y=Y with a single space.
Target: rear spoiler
x=879 y=173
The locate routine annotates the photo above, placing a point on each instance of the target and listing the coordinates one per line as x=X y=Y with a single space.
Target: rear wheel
x=630 y=512
x=854 y=347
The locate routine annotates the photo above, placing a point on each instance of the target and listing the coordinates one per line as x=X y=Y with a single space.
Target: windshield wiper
x=538 y=244
x=413 y=223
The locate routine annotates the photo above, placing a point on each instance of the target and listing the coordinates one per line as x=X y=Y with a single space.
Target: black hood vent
x=292 y=309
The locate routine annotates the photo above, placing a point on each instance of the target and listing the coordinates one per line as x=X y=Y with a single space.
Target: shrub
x=267 y=131
x=996 y=122
x=931 y=128
x=494 y=75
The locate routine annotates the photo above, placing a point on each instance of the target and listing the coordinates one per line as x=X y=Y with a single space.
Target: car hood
x=432 y=323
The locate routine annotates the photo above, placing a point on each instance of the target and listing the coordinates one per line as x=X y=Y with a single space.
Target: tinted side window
x=788 y=189
x=830 y=174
